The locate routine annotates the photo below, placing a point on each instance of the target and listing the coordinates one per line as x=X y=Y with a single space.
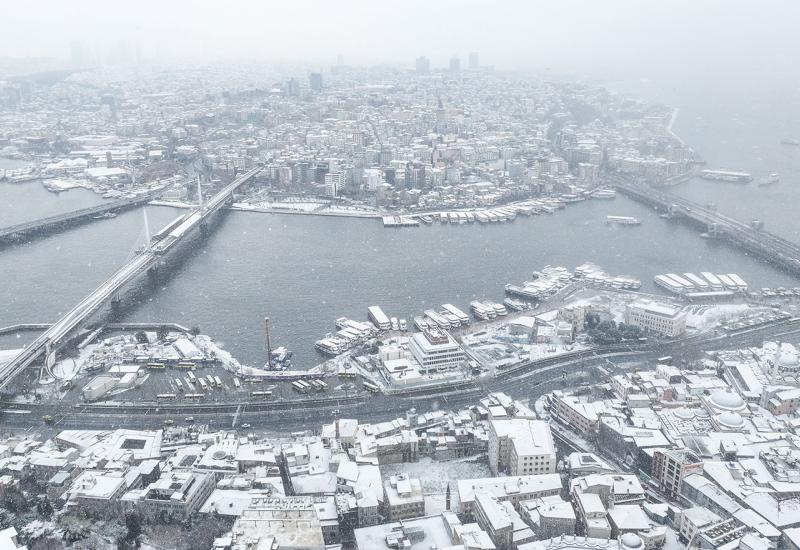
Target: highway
x=160 y=245
x=531 y=380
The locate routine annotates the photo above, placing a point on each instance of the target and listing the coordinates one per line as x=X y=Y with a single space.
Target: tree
x=133 y=523
x=44 y=508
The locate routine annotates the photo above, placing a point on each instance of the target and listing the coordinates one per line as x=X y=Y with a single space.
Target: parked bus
x=262 y=394
x=236 y=383
x=166 y=396
x=186 y=365
x=155 y=366
x=319 y=385
x=179 y=384
x=190 y=384
x=299 y=386
x=210 y=380
x=203 y=384
x=218 y=381
x=666 y=360
x=371 y=387
x=194 y=396
x=191 y=376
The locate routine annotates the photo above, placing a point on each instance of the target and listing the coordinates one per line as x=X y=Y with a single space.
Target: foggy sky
x=592 y=37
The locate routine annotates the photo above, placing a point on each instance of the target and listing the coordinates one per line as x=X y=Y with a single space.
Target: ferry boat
x=514 y=304
x=769 y=180
x=427 y=220
x=623 y=220
x=726 y=176
x=481 y=312
x=330 y=345
x=421 y=323
x=604 y=194
x=462 y=317
x=403 y=325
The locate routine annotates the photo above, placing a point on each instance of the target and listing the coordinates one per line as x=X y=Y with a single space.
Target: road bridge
x=43 y=226
x=747 y=236
x=161 y=243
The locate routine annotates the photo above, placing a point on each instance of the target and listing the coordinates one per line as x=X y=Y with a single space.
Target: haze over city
x=619 y=39
x=417 y=275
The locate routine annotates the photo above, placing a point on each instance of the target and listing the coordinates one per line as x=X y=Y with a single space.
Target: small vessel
x=105 y=216
x=791 y=141
x=395 y=323
x=427 y=220
x=769 y=180
x=623 y=220
x=403 y=325
x=604 y=194
x=726 y=176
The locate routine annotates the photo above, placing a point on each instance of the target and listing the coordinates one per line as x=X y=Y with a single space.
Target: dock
x=399 y=221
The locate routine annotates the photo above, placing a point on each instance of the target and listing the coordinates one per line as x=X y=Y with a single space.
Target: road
x=294 y=415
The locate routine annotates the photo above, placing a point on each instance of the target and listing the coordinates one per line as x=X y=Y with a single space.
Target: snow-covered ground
x=434 y=475
x=702 y=318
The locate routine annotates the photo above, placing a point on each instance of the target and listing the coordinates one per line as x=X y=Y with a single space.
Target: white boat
x=623 y=220
x=604 y=194
x=769 y=180
x=403 y=325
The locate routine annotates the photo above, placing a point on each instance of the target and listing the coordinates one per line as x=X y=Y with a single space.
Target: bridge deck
x=58 y=332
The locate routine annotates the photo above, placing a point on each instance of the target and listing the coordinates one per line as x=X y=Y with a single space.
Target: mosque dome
x=631 y=541
x=727 y=400
x=730 y=420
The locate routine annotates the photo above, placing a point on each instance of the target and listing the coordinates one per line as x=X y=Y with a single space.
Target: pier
x=164 y=242
x=749 y=237
x=43 y=226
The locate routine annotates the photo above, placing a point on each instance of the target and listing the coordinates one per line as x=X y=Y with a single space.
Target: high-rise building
x=423 y=65
x=473 y=60
x=292 y=87
x=315 y=81
x=455 y=64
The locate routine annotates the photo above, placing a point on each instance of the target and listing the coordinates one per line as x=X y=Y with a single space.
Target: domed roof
x=684 y=414
x=727 y=400
x=730 y=420
x=631 y=541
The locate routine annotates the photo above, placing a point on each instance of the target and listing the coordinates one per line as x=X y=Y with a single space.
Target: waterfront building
x=435 y=350
x=656 y=317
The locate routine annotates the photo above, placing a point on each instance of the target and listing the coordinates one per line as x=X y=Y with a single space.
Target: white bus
x=194 y=396
x=236 y=383
x=203 y=384
x=191 y=376
x=166 y=396
x=299 y=386
x=179 y=384
x=261 y=394
x=218 y=381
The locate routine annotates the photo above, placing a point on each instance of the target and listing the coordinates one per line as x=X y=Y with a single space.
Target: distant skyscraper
x=292 y=87
x=455 y=64
x=315 y=80
x=473 y=60
x=423 y=65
